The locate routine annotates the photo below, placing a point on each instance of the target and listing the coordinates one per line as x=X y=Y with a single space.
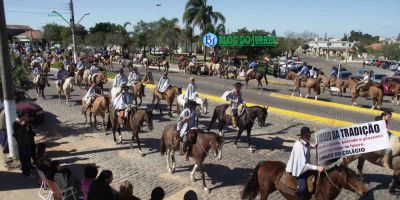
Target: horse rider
x=81 y=64
x=119 y=80
x=163 y=85
x=192 y=62
x=191 y=91
x=89 y=96
x=39 y=59
x=37 y=72
x=314 y=73
x=235 y=97
x=61 y=75
x=135 y=77
x=364 y=82
x=387 y=157
x=299 y=164
x=122 y=101
x=187 y=120
x=252 y=66
x=93 y=71
x=303 y=73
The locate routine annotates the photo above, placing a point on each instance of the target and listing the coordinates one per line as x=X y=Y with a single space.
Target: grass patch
x=57 y=65
x=111 y=74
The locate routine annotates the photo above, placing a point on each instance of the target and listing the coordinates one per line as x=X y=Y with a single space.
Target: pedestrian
x=299 y=164
x=44 y=165
x=157 y=194
x=90 y=176
x=387 y=158
x=190 y=195
x=24 y=142
x=3 y=132
x=100 y=188
x=126 y=191
x=236 y=99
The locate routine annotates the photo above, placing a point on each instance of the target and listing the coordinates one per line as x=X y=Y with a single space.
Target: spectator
x=24 y=141
x=126 y=191
x=190 y=195
x=58 y=174
x=157 y=194
x=90 y=176
x=3 y=132
x=44 y=165
x=101 y=189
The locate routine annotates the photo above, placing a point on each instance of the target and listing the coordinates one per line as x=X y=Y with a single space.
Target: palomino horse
x=99 y=107
x=202 y=142
x=374 y=91
x=309 y=84
x=245 y=120
x=40 y=84
x=376 y=158
x=257 y=76
x=202 y=109
x=66 y=89
x=231 y=72
x=333 y=82
x=216 y=69
x=267 y=174
x=169 y=97
x=291 y=75
x=145 y=63
x=99 y=80
x=164 y=64
x=107 y=62
x=138 y=91
x=134 y=119
x=46 y=67
x=395 y=88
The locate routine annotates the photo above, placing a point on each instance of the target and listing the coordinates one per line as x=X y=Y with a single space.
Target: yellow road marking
x=331 y=104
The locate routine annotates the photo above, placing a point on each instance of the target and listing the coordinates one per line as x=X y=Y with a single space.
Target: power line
x=42 y=6
x=37 y=2
x=28 y=12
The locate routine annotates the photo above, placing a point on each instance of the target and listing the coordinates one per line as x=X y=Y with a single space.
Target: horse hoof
x=170 y=171
x=192 y=178
x=251 y=150
x=235 y=146
x=206 y=190
x=292 y=94
x=142 y=154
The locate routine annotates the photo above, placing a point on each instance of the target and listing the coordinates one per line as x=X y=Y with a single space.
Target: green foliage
x=20 y=74
x=57 y=64
x=54 y=32
x=169 y=34
x=366 y=39
x=305 y=47
x=105 y=27
x=391 y=51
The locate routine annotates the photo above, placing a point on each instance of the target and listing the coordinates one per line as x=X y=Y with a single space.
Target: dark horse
x=245 y=121
x=267 y=174
x=258 y=76
x=202 y=142
x=135 y=118
x=41 y=84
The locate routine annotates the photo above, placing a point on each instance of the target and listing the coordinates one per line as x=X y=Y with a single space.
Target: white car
x=370 y=62
x=395 y=67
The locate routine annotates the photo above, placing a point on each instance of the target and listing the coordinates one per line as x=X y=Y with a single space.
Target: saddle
x=288 y=184
x=241 y=109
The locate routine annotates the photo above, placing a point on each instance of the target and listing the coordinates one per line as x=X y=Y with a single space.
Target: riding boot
x=386 y=160
x=234 y=121
x=143 y=92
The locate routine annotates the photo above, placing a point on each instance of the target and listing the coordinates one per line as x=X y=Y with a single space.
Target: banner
x=351 y=140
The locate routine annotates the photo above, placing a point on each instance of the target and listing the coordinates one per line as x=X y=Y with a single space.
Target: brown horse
x=257 y=76
x=99 y=81
x=202 y=142
x=182 y=65
x=46 y=67
x=395 y=88
x=309 y=84
x=291 y=75
x=267 y=174
x=138 y=91
x=134 y=119
x=164 y=64
x=245 y=121
x=373 y=91
x=169 y=96
x=79 y=77
x=99 y=107
x=333 y=82
x=376 y=158
x=145 y=63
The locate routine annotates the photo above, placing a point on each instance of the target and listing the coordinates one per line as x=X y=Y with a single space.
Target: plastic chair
x=54 y=192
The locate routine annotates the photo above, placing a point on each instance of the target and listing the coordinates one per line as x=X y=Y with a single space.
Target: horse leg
x=203 y=178
x=140 y=102
x=192 y=173
x=168 y=156
x=104 y=123
x=120 y=135
x=95 y=121
x=237 y=138
x=84 y=112
x=360 y=165
x=131 y=142
x=173 y=160
x=248 y=140
x=90 y=118
x=221 y=127
x=138 y=143
x=170 y=110
x=136 y=101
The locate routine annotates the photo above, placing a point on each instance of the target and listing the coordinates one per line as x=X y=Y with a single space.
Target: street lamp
x=158 y=11
x=327 y=53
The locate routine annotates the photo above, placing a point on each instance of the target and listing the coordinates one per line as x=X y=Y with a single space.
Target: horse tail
x=251 y=189
x=163 y=147
x=213 y=119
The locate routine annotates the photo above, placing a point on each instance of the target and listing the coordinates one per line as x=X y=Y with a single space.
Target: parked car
x=377 y=78
x=379 y=63
x=386 y=64
x=361 y=71
x=26 y=104
x=344 y=75
x=395 y=66
x=385 y=81
x=370 y=62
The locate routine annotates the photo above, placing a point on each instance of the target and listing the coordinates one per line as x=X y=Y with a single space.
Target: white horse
x=203 y=109
x=66 y=89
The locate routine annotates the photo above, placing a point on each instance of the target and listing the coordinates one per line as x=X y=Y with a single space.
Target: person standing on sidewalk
x=24 y=140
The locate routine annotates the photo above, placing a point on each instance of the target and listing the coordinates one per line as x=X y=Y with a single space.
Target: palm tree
x=198 y=13
x=189 y=37
x=169 y=32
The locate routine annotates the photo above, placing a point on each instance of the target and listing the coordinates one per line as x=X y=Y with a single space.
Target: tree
x=169 y=34
x=305 y=47
x=251 y=52
x=189 y=37
x=105 y=27
x=52 y=32
x=144 y=34
x=198 y=13
x=80 y=34
x=366 y=39
x=398 y=37
x=345 y=37
x=391 y=51
x=293 y=41
x=325 y=37
x=307 y=36
x=273 y=33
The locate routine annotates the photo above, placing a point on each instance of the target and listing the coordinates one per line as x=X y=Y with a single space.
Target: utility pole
x=72 y=22
x=8 y=89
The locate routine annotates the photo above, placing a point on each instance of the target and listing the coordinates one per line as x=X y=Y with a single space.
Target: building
x=332 y=48
x=13 y=30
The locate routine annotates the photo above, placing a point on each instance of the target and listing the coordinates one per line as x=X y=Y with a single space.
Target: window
x=343 y=44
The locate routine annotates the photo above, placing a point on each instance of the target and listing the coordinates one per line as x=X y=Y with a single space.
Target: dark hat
x=238 y=84
x=124 y=85
x=192 y=103
x=165 y=73
x=121 y=70
x=134 y=68
x=305 y=130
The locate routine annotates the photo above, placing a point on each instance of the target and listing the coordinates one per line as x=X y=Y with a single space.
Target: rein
x=330 y=180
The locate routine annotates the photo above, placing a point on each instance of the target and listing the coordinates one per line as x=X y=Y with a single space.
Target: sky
x=334 y=17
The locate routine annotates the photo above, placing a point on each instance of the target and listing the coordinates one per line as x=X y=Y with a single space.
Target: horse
x=395 y=88
x=79 y=77
x=202 y=142
x=164 y=64
x=333 y=82
x=258 y=76
x=66 y=89
x=126 y=63
x=40 y=84
x=267 y=174
x=231 y=70
x=169 y=97
x=374 y=91
x=46 y=67
x=183 y=65
x=145 y=63
x=134 y=119
x=291 y=75
x=309 y=84
x=376 y=158
x=138 y=91
x=107 y=63
x=245 y=120
x=99 y=107
x=216 y=69
x=202 y=109
x=100 y=79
